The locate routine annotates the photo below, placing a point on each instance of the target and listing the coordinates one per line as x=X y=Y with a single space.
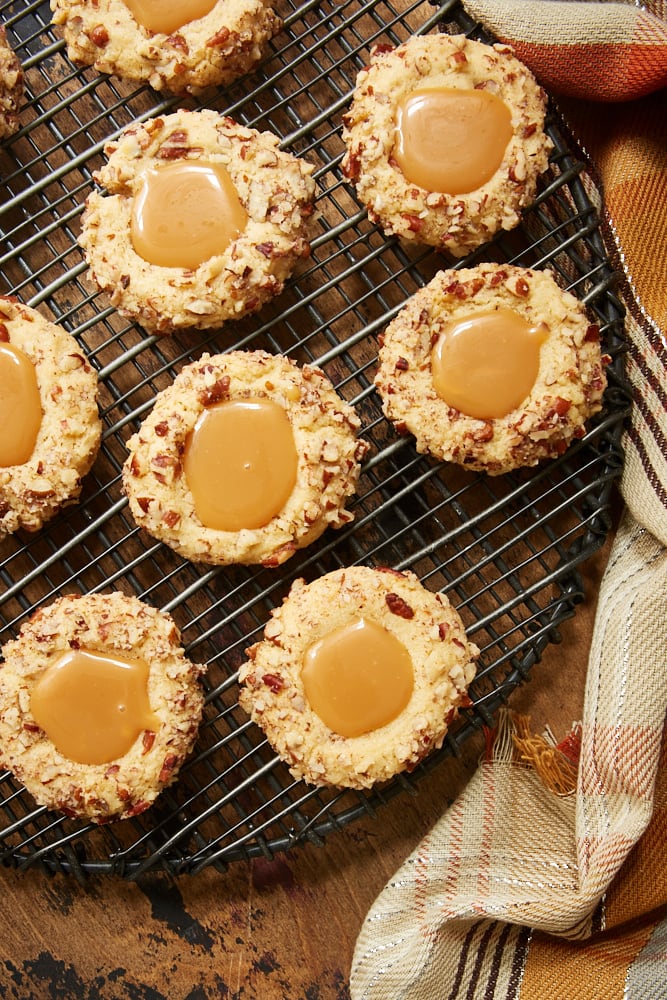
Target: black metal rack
x=505 y=550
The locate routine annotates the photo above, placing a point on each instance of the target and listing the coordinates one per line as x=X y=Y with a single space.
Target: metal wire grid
x=505 y=550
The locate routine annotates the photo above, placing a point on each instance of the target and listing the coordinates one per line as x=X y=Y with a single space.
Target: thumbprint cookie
x=244 y=458
x=445 y=140
x=51 y=428
x=11 y=87
x=200 y=221
x=493 y=368
x=358 y=676
x=99 y=706
x=183 y=47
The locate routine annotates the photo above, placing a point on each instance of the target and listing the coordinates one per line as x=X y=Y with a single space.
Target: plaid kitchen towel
x=528 y=887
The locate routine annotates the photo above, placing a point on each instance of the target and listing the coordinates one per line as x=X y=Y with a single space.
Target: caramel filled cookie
x=493 y=367
x=245 y=458
x=98 y=705
x=358 y=676
x=11 y=87
x=182 y=47
x=202 y=221
x=48 y=411
x=445 y=140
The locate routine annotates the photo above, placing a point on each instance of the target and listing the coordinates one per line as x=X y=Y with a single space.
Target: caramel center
x=358 y=678
x=167 y=16
x=20 y=406
x=185 y=213
x=241 y=463
x=451 y=141
x=92 y=705
x=486 y=365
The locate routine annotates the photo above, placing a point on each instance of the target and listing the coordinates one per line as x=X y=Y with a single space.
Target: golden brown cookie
x=45 y=454
x=148 y=41
x=11 y=87
x=445 y=140
x=493 y=367
x=98 y=705
x=212 y=175
x=358 y=677
x=254 y=489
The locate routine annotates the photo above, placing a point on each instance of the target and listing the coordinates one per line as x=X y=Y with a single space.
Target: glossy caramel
x=486 y=364
x=20 y=406
x=167 y=16
x=93 y=705
x=449 y=140
x=185 y=213
x=240 y=463
x=358 y=678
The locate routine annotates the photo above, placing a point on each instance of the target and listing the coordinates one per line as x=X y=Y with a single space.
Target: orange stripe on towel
x=602 y=72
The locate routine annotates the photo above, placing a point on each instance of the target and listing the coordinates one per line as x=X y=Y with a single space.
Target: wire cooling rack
x=505 y=550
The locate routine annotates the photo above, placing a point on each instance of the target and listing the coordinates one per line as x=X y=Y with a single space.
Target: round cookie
x=11 y=87
x=216 y=48
x=327 y=454
x=273 y=188
x=567 y=382
x=456 y=222
x=69 y=432
x=109 y=625
x=426 y=628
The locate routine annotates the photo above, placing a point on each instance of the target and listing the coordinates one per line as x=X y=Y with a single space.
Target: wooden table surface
x=282 y=929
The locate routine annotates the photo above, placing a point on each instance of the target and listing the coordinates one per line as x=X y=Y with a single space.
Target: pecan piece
x=398 y=606
x=485 y=433
x=217 y=392
x=414 y=223
x=273 y=682
x=138 y=807
x=219 y=38
x=99 y=36
x=352 y=166
x=168 y=765
x=559 y=407
x=177 y=152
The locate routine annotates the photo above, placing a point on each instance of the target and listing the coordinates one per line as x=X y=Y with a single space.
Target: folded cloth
x=606 y=52
x=522 y=890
